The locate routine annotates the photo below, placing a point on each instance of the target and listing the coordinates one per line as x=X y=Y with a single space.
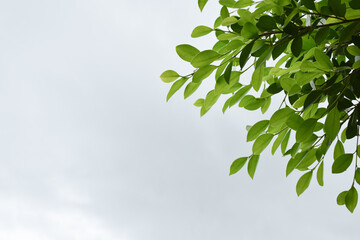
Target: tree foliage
x=308 y=52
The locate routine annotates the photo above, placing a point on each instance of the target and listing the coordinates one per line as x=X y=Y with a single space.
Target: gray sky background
x=91 y=150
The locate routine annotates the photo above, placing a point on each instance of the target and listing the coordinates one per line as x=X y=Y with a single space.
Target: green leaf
x=186 y=52
x=357 y=176
x=204 y=58
x=293 y=162
x=245 y=54
x=229 y=21
x=202 y=4
x=203 y=111
x=305 y=130
x=266 y=105
x=285 y=142
x=249 y=31
x=280 y=47
x=321 y=35
x=253 y=162
x=211 y=99
x=277 y=142
x=349 y=31
x=249 y=102
x=203 y=73
x=261 y=143
x=296 y=46
x=190 y=89
x=323 y=59
x=280 y=116
x=355 y=4
x=294 y=121
x=200 y=31
x=342 y=163
x=353 y=50
x=169 y=76
x=336 y=8
x=237 y=165
x=332 y=123
x=340 y=200
x=224 y=12
x=199 y=102
x=239 y=94
x=352 y=127
x=312 y=98
x=339 y=149
x=308 y=160
x=303 y=183
x=257 y=78
x=263 y=58
x=320 y=174
x=266 y=23
x=175 y=87
x=257 y=129
x=227 y=73
x=309 y=4
x=351 y=199
x=291 y=29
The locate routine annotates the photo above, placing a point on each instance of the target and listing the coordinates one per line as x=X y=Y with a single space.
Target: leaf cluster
x=316 y=49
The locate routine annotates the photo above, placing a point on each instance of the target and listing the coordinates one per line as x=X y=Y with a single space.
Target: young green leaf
x=320 y=174
x=204 y=58
x=303 y=183
x=294 y=162
x=203 y=73
x=277 y=142
x=211 y=99
x=339 y=149
x=238 y=95
x=202 y=4
x=351 y=199
x=190 y=89
x=169 y=76
x=249 y=31
x=199 y=102
x=342 y=163
x=340 y=200
x=237 y=165
x=257 y=78
x=200 y=31
x=294 y=121
x=253 y=162
x=186 y=52
x=175 y=87
x=229 y=21
x=257 y=129
x=261 y=143
x=280 y=116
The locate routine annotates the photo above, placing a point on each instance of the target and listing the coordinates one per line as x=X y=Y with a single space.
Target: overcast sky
x=90 y=150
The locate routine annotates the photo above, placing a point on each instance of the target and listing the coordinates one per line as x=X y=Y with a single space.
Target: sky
x=92 y=151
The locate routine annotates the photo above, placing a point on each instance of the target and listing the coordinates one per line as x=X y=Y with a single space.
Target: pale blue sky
x=91 y=150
